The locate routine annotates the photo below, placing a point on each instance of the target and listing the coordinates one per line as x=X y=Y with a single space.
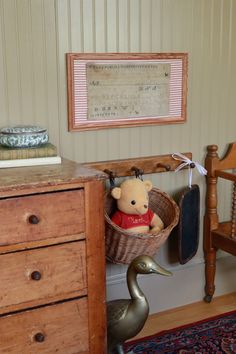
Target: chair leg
x=210 y=269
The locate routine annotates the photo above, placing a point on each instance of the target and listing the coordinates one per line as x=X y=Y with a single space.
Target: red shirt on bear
x=127 y=221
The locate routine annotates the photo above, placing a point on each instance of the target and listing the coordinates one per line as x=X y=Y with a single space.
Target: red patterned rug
x=216 y=335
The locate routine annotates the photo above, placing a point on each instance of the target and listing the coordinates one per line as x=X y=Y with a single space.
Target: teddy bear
x=133 y=213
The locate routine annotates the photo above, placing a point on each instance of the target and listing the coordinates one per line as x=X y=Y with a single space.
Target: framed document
x=109 y=90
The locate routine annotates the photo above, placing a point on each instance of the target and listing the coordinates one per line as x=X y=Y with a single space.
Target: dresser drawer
x=40 y=276
x=60 y=328
x=41 y=216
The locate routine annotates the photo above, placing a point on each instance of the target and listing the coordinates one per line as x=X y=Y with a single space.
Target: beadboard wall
x=34 y=37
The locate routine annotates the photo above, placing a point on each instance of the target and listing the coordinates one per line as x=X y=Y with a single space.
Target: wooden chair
x=218 y=235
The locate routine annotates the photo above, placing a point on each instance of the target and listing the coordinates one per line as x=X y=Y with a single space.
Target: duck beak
x=159 y=270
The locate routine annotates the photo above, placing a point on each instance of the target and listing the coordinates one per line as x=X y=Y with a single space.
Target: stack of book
x=18 y=157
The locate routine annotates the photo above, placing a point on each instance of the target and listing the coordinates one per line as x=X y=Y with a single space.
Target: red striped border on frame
x=79 y=96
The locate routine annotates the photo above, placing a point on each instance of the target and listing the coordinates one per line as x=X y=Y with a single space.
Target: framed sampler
x=110 y=90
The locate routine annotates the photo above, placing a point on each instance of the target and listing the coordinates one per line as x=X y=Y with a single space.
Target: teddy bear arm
x=156 y=224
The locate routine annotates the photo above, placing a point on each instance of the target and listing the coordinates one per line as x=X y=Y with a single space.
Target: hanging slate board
x=188 y=227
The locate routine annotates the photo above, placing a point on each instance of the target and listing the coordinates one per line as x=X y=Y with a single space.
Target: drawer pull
x=36 y=275
x=33 y=219
x=39 y=337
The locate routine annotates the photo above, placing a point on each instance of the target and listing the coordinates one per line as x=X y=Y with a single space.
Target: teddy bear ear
x=148 y=185
x=116 y=193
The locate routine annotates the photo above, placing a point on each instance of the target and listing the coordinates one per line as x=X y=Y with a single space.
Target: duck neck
x=134 y=289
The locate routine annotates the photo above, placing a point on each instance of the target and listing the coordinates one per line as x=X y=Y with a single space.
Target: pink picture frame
x=115 y=90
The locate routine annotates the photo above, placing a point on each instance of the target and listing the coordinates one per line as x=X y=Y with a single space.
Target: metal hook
x=112 y=176
x=138 y=172
x=166 y=167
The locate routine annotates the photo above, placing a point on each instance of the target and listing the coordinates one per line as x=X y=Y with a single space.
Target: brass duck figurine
x=126 y=317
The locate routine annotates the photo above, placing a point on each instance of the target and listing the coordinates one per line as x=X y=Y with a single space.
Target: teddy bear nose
x=145 y=206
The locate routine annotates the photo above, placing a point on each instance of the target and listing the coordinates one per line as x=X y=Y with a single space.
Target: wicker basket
x=123 y=246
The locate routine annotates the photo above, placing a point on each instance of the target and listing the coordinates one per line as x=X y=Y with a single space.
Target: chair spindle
x=233 y=216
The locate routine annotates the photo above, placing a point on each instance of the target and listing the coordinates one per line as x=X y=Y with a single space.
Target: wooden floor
x=188 y=314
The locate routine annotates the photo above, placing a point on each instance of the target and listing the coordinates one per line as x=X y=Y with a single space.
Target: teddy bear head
x=132 y=196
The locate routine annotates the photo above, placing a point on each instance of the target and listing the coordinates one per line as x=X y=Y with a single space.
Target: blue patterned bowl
x=23 y=136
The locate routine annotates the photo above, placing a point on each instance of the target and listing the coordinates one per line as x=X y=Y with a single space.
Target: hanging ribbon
x=187 y=162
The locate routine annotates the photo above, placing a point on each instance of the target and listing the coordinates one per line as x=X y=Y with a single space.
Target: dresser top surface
x=67 y=172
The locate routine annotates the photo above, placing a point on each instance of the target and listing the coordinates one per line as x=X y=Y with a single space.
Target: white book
x=36 y=161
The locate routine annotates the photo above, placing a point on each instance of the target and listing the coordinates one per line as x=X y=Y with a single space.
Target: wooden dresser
x=52 y=260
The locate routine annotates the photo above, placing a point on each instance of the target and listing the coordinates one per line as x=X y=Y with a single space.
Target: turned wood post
x=233 y=215
x=211 y=220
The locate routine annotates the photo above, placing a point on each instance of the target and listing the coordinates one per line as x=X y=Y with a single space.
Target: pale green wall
x=36 y=34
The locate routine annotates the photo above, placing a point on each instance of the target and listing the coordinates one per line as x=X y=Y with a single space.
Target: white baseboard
x=121 y=277
x=184 y=287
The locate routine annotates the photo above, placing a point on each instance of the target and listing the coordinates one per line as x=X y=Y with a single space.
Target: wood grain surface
x=62 y=271
x=58 y=214
x=63 y=326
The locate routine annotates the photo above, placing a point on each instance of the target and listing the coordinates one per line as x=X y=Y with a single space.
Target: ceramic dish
x=23 y=136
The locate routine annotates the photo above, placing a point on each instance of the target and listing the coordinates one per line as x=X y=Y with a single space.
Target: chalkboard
x=188 y=227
